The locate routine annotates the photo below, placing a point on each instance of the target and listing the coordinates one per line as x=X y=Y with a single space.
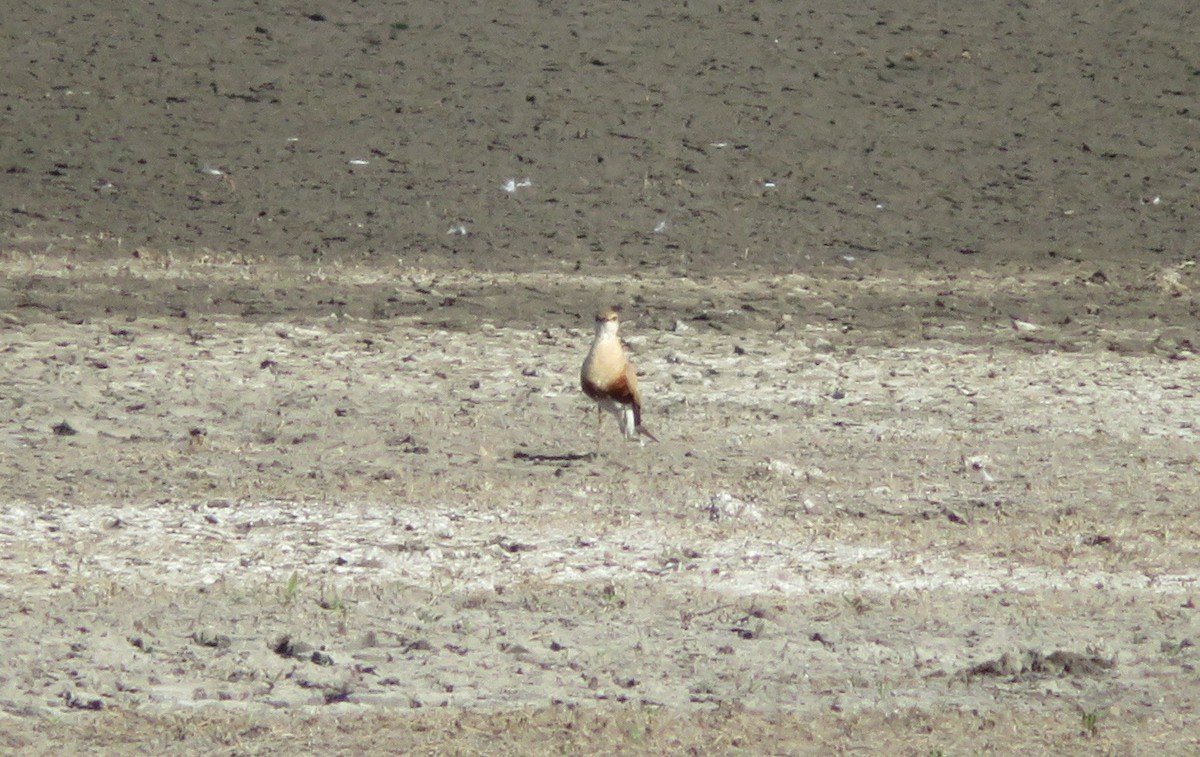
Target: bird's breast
x=605 y=374
x=605 y=361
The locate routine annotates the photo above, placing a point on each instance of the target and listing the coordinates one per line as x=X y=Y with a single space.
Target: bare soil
x=294 y=457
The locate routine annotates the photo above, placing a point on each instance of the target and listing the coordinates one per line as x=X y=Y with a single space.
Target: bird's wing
x=629 y=378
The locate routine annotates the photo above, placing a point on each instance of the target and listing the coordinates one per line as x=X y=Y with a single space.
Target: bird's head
x=607 y=321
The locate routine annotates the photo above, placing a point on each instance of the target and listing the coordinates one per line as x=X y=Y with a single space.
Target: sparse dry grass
x=616 y=729
x=789 y=572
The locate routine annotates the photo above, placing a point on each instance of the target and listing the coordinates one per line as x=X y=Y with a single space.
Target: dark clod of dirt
x=285 y=646
x=415 y=645
x=63 y=429
x=512 y=547
x=409 y=445
x=210 y=639
x=333 y=696
x=1031 y=662
x=817 y=637
x=1072 y=663
x=320 y=658
x=954 y=517
x=82 y=702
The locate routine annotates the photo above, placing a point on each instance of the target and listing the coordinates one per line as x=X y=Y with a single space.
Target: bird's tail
x=631 y=424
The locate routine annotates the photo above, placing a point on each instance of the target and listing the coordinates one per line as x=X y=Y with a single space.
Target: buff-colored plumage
x=609 y=378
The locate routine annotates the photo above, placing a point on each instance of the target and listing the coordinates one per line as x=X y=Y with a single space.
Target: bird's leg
x=599 y=422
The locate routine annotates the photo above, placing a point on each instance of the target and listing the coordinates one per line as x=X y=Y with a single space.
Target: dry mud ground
x=292 y=456
x=224 y=531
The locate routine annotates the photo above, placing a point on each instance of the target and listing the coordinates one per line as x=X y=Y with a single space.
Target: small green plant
x=333 y=604
x=858 y=603
x=1090 y=722
x=291 y=588
x=608 y=596
x=1172 y=648
x=533 y=604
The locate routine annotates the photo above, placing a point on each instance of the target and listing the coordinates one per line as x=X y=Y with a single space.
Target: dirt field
x=294 y=457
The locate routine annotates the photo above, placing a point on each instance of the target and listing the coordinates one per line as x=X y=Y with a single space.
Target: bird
x=609 y=378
